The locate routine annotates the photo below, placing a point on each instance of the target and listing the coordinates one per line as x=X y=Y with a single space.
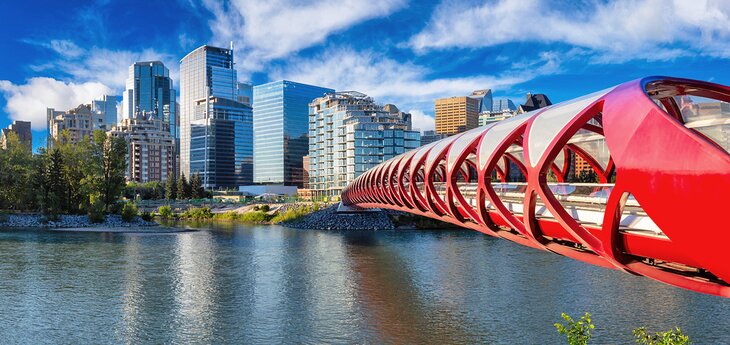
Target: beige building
x=151 y=150
x=22 y=130
x=456 y=114
x=78 y=123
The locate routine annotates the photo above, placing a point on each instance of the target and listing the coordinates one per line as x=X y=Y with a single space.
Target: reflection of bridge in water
x=664 y=141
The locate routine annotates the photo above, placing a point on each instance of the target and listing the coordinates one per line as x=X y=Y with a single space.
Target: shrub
x=165 y=212
x=146 y=216
x=255 y=217
x=230 y=215
x=255 y=207
x=129 y=211
x=96 y=209
x=316 y=206
x=578 y=332
x=265 y=208
x=671 y=337
x=198 y=213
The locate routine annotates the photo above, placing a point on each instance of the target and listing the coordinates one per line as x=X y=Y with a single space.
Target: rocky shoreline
x=329 y=219
x=70 y=221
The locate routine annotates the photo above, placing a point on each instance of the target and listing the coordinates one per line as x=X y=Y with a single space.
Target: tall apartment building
x=106 y=107
x=348 y=134
x=151 y=150
x=150 y=94
x=21 y=130
x=457 y=114
x=78 y=123
x=280 y=127
x=216 y=128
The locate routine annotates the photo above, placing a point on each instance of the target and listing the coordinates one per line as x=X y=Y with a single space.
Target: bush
x=265 y=208
x=230 y=215
x=165 y=212
x=255 y=217
x=198 y=213
x=671 y=337
x=146 y=216
x=96 y=209
x=578 y=332
x=129 y=211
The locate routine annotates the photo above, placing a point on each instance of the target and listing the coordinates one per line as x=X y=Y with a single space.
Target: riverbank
x=329 y=219
x=71 y=222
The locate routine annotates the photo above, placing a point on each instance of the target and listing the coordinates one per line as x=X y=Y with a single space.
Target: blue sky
x=63 y=53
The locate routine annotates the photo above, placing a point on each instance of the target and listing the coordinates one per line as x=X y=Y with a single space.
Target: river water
x=268 y=284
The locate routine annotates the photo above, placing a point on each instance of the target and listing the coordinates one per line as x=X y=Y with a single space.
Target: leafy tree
x=182 y=188
x=77 y=164
x=671 y=337
x=17 y=168
x=578 y=332
x=170 y=187
x=111 y=167
x=196 y=187
x=587 y=176
x=129 y=211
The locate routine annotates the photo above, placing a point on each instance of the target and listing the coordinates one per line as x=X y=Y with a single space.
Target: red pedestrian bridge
x=657 y=147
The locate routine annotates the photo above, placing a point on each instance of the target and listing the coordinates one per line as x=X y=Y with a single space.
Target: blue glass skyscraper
x=281 y=125
x=216 y=138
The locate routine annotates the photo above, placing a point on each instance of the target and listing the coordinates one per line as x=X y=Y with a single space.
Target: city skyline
x=393 y=50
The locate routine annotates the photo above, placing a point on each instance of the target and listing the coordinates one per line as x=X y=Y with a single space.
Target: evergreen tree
x=55 y=187
x=196 y=187
x=182 y=186
x=170 y=187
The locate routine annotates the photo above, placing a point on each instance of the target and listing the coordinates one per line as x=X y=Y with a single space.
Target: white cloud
x=616 y=31
x=106 y=66
x=421 y=121
x=28 y=102
x=407 y=85
x=267 y=30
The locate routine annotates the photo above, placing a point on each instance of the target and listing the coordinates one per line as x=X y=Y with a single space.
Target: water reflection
x=240 y=284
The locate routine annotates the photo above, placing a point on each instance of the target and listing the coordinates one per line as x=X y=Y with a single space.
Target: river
x=268 y=284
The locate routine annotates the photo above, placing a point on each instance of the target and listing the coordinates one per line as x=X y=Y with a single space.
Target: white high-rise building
x=348 y=134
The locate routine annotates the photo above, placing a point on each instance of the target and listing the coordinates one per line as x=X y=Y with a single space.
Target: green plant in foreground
x=671 y=337
x=96 y=208
x=165 y=211
x=578 y=332
x=129 y=211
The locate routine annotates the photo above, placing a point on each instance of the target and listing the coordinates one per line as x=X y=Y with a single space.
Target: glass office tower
x=281 y=124
x=216 y=130
x=106 y=106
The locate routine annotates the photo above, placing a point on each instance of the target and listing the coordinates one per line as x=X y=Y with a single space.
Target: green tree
x=196 y=187
x=108 y=168
x=53 y=185
x=183 y=188
x=77 y=165
x=578 y=332
x=671 y=337
x=17 y=169
x=170 y=187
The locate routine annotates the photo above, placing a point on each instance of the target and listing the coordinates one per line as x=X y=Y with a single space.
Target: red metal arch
x=670 y=179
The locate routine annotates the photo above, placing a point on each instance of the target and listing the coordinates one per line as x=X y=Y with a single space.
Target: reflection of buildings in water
x=393 y=305
x=133 y=298
x=327 y=293
x=194 y=287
